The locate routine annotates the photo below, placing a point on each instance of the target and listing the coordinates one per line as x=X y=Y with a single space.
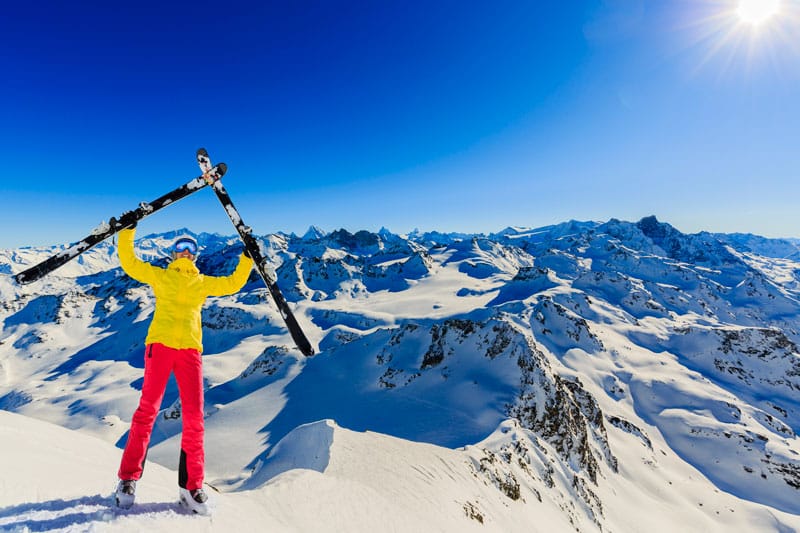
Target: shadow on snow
x=88 y=512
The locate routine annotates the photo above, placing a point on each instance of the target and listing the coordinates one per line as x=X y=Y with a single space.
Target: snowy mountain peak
x=313 y=234
x=570 y=375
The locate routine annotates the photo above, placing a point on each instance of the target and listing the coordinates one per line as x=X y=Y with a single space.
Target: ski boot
x=195 y=501
x=126 y=493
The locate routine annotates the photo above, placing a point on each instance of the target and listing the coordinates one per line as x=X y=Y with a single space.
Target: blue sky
x=444 y=115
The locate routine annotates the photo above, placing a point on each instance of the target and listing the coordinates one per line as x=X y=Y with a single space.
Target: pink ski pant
x=159 y=362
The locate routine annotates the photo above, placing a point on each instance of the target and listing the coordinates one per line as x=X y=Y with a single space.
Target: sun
x=742 y=36
x=756 y=12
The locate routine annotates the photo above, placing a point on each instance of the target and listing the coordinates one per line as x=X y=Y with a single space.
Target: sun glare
x=741 y=37
x=757 y=12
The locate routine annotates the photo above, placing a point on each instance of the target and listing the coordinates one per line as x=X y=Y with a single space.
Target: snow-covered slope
x=601 y=375
x=56 y=479
x=322 y=477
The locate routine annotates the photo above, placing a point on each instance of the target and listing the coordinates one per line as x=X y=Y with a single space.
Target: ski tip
x=202 y=151
x=308 y=351
x=223 y=168
x=20 y=279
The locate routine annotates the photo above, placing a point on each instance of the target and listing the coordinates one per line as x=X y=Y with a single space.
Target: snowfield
x=322 y=477
x=586 y=376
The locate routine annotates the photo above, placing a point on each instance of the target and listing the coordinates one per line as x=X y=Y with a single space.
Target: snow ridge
x=586 y=375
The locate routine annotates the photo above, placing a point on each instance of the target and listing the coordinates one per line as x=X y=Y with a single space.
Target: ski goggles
x=186 y=246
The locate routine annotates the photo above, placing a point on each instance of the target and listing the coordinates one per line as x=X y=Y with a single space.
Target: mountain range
x=589 y=376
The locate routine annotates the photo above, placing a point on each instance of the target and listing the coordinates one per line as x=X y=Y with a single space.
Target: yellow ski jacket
x=180 y=291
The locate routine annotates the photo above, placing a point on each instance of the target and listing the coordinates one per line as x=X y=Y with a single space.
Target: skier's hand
x=114 y=223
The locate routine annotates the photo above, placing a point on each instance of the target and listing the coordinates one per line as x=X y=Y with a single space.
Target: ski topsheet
x=254 y=250
x=107 y=229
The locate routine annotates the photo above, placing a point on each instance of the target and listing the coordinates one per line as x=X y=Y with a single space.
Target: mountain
x=612 y=376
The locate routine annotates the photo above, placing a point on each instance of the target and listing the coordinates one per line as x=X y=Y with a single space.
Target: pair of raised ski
x=211 y=176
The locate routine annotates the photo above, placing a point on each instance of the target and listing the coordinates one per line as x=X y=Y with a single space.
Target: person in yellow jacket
x=174 y=344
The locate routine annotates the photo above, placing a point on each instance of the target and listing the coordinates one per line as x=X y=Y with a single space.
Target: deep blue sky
x=446 y=115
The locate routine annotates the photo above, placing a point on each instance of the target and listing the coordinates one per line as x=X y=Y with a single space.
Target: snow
x=56 y=479
x=322 y=477
x=197 y=183
x=593 y=376
x=101 y=228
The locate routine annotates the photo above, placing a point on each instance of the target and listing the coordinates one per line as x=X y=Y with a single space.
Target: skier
x=173 y=345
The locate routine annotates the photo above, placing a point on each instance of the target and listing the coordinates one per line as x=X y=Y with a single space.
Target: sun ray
x=742 y=35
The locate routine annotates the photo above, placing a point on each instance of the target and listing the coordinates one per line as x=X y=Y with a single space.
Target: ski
x=245 y=234
x=114 y=225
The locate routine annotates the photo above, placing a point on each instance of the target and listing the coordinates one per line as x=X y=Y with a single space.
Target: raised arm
x=132 y=265
x=224 y=285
